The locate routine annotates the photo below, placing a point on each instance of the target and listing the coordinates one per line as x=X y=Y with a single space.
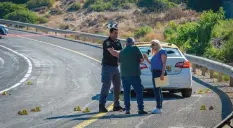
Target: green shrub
x=226 y=78
x=142 y=31
x=42 y=20
x=39 y=3
x=8 y=7
x=74 y=7
x=22 y=16
x=102 y=5
x=195 y=37
x=156 y=5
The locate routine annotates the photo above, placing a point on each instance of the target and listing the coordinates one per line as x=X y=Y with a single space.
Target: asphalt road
x=64 y=76
x=12 y=68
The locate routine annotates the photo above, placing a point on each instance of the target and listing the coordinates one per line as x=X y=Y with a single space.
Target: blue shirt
x=156 y=60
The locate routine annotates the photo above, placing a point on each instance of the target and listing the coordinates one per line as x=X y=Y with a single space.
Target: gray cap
x=130 y=40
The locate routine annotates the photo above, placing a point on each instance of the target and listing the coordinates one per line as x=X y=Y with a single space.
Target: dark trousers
x=110 y=74
x=135 y=81
x=157 y=91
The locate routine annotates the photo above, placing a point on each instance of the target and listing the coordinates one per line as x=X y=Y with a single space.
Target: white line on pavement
x=27 y=75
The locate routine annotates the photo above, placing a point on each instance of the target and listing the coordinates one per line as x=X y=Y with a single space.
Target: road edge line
x=26 y=76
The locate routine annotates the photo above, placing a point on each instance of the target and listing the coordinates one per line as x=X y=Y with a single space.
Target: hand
x=110 y=49
x=162 y=77
x=144 y=56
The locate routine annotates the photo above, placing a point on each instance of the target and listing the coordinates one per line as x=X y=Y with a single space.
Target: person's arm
x=113 y=52
x=146 y=58
x=139 y=54
x=164 y=61
x=119 y=60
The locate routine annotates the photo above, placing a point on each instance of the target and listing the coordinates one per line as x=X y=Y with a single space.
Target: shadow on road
x=225 y=99
x=72 y=116
x=147 y=97
x=112 y=116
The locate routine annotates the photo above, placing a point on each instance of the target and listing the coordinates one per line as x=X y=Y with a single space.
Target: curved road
x=66 y=74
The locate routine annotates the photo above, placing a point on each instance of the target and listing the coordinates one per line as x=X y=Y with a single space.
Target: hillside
x=129 y=19
x=194 y=27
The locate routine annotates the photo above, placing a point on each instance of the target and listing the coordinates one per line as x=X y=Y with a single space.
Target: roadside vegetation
x=200 y=29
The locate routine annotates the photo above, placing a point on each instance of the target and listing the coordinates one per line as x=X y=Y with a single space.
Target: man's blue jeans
x=135 y=81
x=157 y=91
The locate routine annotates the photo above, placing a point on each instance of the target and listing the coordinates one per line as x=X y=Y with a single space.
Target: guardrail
x=226 y=123
x=197 y=62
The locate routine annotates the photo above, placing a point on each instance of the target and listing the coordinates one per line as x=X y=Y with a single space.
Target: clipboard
x=161 y=83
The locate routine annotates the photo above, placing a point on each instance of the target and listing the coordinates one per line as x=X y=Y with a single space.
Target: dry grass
x=128 y=20
x=151 y=36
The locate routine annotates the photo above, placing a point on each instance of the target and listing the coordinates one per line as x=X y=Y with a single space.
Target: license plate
x=169 y=68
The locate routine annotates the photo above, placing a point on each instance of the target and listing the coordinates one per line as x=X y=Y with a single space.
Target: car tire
x=186 y=92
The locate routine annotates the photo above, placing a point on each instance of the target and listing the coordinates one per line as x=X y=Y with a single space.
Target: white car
x=178 y=70
x=3 y=30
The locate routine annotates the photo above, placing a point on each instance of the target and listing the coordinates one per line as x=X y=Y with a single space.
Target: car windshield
x=171 y=52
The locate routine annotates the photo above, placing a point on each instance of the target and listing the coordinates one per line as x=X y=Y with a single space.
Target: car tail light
x=185 y=64
x=143 y=66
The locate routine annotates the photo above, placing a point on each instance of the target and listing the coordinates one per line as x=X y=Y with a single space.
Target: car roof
x=2 y=25
x=163 y=44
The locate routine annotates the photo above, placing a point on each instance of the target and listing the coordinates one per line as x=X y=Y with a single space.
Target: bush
x=101 y=5
x=74 y=7
x=142 y=31
x=39 y=3
x=8 y=7
x=194 y=37
x=42 y=20
x=22 y=16
x=64 y=26
x=156 y=5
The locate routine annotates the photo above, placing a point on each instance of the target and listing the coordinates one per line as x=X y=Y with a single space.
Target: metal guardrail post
x=219 y=77
x=194 y=66
x=231 y=81
x=211 y=73
x=203 y=71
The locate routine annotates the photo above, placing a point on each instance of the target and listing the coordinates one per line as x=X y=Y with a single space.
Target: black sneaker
x=102 y=108
x=127 y=112
x=118 y=108
x=142 y=112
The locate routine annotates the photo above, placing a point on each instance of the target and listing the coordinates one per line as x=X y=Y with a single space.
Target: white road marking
x=27 y=75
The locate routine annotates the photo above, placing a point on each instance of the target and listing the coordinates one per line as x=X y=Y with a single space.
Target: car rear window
x=171 y=52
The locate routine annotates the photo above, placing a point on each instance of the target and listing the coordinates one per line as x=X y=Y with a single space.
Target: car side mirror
x=148 y=51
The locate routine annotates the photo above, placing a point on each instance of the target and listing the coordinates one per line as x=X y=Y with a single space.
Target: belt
x=155 y=70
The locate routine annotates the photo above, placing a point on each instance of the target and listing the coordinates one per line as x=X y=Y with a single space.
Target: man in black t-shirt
x=110 y=71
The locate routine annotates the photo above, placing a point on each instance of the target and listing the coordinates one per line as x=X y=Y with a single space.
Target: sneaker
x=142 y=112
x=118 y=108
x=127 y=112
x=157 y=111
x=102 y=108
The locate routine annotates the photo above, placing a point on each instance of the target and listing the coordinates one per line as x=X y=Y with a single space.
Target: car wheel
x=186 y=92
x=0 y=37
